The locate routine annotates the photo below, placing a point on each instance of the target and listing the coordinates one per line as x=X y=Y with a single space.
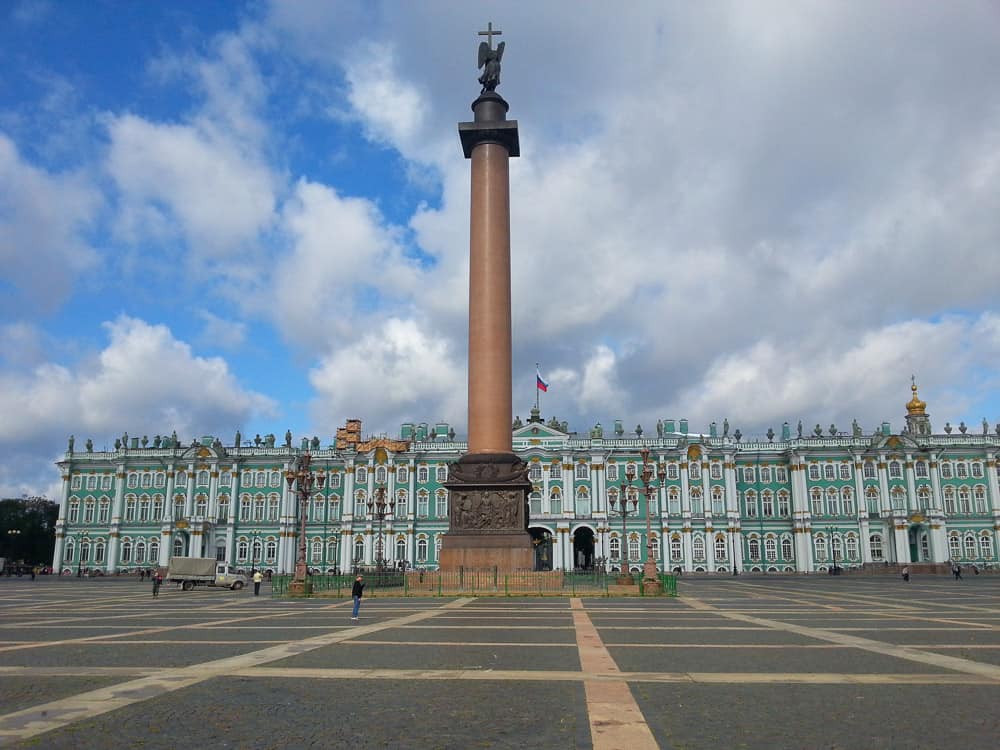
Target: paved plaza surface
x=747 y=662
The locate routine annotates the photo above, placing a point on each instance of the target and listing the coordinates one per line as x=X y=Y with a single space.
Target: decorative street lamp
x=378 y=509
x=650 y=580
x=302 y=478
x=623 y=511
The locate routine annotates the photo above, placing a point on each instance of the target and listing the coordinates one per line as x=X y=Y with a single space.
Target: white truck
x=194 y=571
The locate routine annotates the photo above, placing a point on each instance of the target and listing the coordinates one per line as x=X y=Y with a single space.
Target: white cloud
x=43 y=218
x=399 y=372
x=220 y=332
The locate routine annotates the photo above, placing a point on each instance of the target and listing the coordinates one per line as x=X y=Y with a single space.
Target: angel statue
x=489 y=60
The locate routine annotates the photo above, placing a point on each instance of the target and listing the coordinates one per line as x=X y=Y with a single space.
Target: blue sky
x=219 y=216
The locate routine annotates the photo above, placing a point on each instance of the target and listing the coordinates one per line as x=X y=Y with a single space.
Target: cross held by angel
x=489 y=59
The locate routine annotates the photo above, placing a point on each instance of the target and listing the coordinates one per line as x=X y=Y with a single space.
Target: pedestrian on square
x=906 y=573
x=356 y=593
x=257 y=578
x=956 y=570
x=157 y=581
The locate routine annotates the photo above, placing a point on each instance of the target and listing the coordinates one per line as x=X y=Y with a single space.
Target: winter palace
x=781 y=503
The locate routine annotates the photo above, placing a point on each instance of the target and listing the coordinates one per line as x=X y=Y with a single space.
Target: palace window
x=401 y=548
x=698 y=548
x=869 y=470
x=786 y=548
x=422 y=473
x=441 y=501
x=247 y=479
x=715 y=470
x=555 y=503
x=920 y=470
x=721 y=548
x=784 y=503
x=961 y=470
x=535 y=472
x=223 y=513
x=633 y=548
x=402 y=474
x=696 y=504
x=106 y=482
x=771 y=549
x=157 y=507
x=133 y=481
x=275 y=478
x=750 y=501
x=816 y=496
x=126 y=551
x=582 y=502
x=845 y=472
x=422 y=550
x=615 y=548
x=977 y=470
x=694 y=470
x=847 y=497
x=781 y=474
x=718 y=503
x=955 y=545
x=676 y=551
x=245 y=508
x=423 y=501
x=225 y=479
x=979 y=493
x=442 y=474
x=359 y=549
x=829 y=472
x=180 y=479
x=875 y=545
x=273 y=503
x=672 y=471
x=178 y=547
x=140 y=552
x=75 y=482
x=814 y=472
x=986 y=547
x=767 y=503
x=242 y=550
x=924 y=496
x=898 y=496
x=535 y=503
x=178 y=508
x=202 y=479
x=872 y=498
x=361 y=475
x=146 y=481
x=130 y=506
x=654 y=542
x=335 y=480
x=270 y=550
x=154 y=550
x=946 y=472
x=819 y=543
x=611 y=472
x=316 y=551
x=837 y=546
x=104 y=511
x=331 y=550
x=753 y=548
x=964 y=504
x=765 y=474
x=258 y=508
x=949 y=500
x=261 y=479
x=144 y=508
x=895 y=470
x=92 y=482
x=555 y=471
x=832 y=501
x=201 y=506
x=582 y=471
x=970 y=547
x=381 y=475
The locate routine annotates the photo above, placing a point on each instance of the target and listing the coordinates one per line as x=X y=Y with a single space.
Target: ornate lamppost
x=303 y=479
x=378 y=508
x=650 y=580
x=620 y=508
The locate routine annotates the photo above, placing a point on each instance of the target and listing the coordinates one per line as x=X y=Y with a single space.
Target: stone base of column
x=488 y=515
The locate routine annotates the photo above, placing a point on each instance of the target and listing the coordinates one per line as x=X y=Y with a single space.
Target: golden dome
x=915 y=405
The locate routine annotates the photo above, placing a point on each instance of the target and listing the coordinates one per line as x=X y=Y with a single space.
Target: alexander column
x=488 y=514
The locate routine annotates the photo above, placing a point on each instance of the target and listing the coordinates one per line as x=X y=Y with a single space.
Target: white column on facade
x=234 y=507
x=710 y=549
x=883 y=484
x=688 y=563
x=349 y=490
x=411 y=496
x=115 y=539
x=736 y=549
x=729 y=474
x=57 y=554
x=189 y=499
x=936 y=498
x=568 y=473
x=911 y=483
x=212 y=507
x=599 y=498
x=992 y=484
x=685 y=494
x=706 y=495
x=168 y=500
x=901 y=539
x=116 y=505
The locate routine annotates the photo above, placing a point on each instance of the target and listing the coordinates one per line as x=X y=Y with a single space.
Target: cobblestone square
x=749 y=662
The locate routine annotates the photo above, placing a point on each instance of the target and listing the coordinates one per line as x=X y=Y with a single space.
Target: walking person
x=356 y=593
x=906 y=573
x=257 y=578
x=157 y=581
x=956 y=570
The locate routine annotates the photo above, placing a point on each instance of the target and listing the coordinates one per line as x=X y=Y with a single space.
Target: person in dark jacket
x=157 y=582
x=356 y=593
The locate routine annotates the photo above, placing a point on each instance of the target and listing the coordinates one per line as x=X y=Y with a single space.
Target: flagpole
x=536 y=385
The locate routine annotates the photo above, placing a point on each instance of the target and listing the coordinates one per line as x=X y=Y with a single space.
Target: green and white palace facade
x=790 y=503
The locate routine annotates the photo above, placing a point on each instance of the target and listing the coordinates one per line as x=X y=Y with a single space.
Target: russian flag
x=540 y=382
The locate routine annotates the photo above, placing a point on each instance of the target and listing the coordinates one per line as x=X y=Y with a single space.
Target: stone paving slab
x=474 y=635
x=832 y=717
x=955 y=636
x=452 y=656
x=286 y=713
x=118 y=654
x=23 y=692
x=839 y=660
x=735 y=634
x=988 y=655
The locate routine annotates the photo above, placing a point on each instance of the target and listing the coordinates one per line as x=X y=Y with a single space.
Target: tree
x=28 y=529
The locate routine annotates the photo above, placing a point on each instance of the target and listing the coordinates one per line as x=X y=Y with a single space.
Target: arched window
x=270 y=550
x=920 y=470
x=381 y=475
x=718 y=506
x=961 y=470
x=875 y=545
x=99 y=549
x=331 y=550
x=819 y=543
x=829 y=472
x=784 y=503
x=157 y=507
x=786 y=549
x=154 y=550
x=698 y=547
x=89 y=509
x=611 y=472
x=676 y=549
x=949 y=500
x=220 y=550
x=359 y=549
x=851 y=542
x=225 y=479
x=615 y=548
x=422 y=474
x=144 y=508
x=977 y=469
x=924 y=496
x=895 y=470
x=696 y=504
x=441 y=474
x=872 y=498
x=721 y=548
x=361 y=475
x=869 y=470
x=423 y=501
x=178 y=546
x=140 y=552
x=633 y=547
x=441 y=503
x=261 y=479
x=946 y=471
x=655 y=543
x=837 y=546
x=814 y=472
x=130 y=506
x=74 y=511
x=275 y=479
x=673 y=500
x=672 y=471
x=847 y=500
x=178 y=507
x=816 y=495
x=223 y=513
x=694 y=470
x=401 y=548
x=422 y=549
x=765 y=474
x=201 y=506
x=126 y=551
x=582 y=471
x=242 y=550
x=964 y=500
x=955 y=545
x=970 y=547
x=535 y=503
x=767 y=503
x=898 y=495
x=535 y=471
x=753 y=547
x=245 y=507
x=402 y=474
x=979 y=493
x=258 y=508
x=316 y=550
x=582 y=501
x=202 y=478
x=132 y=481
x=845 y=471
x=771 y=549
x=555 y=470
x=104 y=511
x=832 y=501
x=555 y=502
x=986 y=547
